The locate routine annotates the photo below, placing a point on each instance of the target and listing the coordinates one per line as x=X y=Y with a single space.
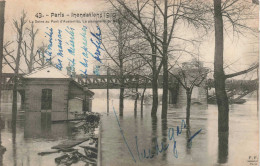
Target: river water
x=119 y=148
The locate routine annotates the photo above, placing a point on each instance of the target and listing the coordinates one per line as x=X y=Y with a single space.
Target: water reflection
x=222 y=147
x=39 y=125
x=208 y=148
x=189 y=143
x=2 y=149
x=154 y=135
x=14 y=144
x=164 y=136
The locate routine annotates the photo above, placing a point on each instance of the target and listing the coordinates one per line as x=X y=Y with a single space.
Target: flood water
x=235 y=148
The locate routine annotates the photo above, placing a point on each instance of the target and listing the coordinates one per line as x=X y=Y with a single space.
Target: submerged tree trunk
x=165 y=62
x=136 y=98
x=16 y=73
x=219 y=75
x=121 y=101
x=155 y=96
x=142 y=100
x=121 y=70
x=121 y=96
x=122 y=90
x=188 y=95
x=154 y=80
x=14 y=105
x=165 y=88
x=135 y=107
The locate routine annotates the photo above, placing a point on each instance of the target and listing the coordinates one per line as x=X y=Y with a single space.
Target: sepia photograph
x=129 y=82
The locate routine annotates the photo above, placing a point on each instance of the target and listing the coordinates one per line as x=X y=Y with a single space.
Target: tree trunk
x=137 y=97
x=18 y=57
x=154 y=80
x=188 y=95
x=30 y=67
x=121 y=101
x=14 y=105
x=155 y=96
x=136 y=100
x=165 y=88
x=142 y=99
x=121 y=68
x=122 y=90
x=219 y=75
x=222 y=147
x=165 y=63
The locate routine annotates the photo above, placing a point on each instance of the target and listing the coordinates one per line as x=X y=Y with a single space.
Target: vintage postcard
x=129 y=82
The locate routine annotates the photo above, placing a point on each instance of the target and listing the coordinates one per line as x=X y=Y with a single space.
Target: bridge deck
x=97 y=81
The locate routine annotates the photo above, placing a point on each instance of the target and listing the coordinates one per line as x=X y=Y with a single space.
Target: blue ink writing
x=60 y=53
x=85 y=52
x=71 y=49
x=157 y=150
x=163 y=147
x=49 y=47
x=121 y=131
x=96 y=70
x=190 y=139
x=97 y=44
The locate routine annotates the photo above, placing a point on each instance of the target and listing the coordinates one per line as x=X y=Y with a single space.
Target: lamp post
x=107 y=88
x=85 y=89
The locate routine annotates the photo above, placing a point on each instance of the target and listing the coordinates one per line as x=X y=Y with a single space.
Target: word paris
x=65 y=50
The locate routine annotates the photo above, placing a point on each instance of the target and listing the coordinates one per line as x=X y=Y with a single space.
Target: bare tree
x=41 y=60
x=235 y=13
x=160 y=33
x=15 y=64
x=30 y=56
x=117 y=43
x=189 y=75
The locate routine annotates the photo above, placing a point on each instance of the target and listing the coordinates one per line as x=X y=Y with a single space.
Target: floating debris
x=69 y=143
x=73 y=149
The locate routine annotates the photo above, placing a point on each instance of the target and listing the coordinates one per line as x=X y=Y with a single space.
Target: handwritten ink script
x=159 y=148
x=60 y=53
x=69 y=49
x=85 y=52
x=49 y=48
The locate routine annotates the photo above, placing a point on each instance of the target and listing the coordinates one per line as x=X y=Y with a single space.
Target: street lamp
x=85 y=89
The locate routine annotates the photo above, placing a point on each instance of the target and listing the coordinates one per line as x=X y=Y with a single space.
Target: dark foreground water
x=235 y=148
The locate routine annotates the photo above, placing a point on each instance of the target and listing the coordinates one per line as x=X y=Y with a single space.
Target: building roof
x=47 y=72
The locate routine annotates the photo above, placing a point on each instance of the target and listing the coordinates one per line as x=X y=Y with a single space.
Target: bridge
x=99 y=81
x=177 y=93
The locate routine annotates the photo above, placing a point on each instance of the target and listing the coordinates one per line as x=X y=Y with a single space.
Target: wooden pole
x=108 y=88
x=257 y=90
x=2 y=21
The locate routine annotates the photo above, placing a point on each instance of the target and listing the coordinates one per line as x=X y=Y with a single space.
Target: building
x=47 y=92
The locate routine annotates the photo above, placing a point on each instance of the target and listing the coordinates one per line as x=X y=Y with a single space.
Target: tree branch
x=242 y=72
